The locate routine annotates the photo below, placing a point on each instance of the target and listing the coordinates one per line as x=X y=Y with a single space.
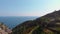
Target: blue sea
x=13 y=21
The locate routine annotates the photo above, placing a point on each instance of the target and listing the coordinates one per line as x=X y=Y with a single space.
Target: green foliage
x=29 y=27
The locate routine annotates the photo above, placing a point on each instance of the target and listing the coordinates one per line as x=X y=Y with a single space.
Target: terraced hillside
x=48 y=24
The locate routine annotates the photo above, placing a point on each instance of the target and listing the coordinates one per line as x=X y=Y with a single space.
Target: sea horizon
x=13 y=21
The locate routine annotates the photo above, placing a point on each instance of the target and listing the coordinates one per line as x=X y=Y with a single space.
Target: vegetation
x=43 y=25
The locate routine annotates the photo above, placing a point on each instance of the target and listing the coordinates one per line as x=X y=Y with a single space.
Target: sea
x=13 y=21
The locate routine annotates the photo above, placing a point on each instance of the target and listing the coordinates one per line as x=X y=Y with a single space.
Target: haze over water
x=12 y=22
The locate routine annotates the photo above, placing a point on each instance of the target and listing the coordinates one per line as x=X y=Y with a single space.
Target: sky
x=28 y=7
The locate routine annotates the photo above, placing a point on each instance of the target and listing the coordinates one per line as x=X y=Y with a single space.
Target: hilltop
x=48 y=24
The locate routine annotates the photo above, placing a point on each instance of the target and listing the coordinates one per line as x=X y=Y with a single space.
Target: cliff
x=48 y=24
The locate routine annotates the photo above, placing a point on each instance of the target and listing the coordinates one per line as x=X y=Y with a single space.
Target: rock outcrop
x=4 y=29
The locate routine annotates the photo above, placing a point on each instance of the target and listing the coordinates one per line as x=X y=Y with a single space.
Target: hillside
x=48 y=24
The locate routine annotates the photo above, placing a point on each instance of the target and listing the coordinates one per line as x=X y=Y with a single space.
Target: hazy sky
x=28 y=7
